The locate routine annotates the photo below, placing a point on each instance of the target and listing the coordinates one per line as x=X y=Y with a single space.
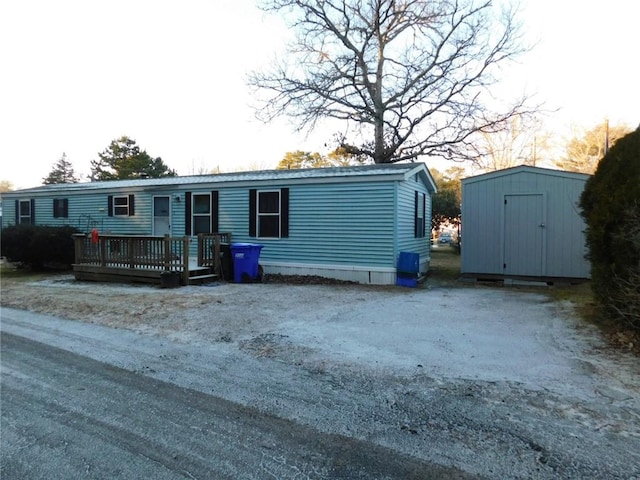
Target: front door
x=161 y=215
x=524 y=234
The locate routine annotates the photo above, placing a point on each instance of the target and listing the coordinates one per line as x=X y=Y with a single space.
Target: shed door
x=161 y=215
x=523 y=236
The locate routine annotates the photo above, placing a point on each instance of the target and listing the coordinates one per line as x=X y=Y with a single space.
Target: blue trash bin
x=245 y=261
x=408 y=269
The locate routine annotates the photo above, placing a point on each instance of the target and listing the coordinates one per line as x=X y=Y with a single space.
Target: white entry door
x=524 y=235
x=162 y=215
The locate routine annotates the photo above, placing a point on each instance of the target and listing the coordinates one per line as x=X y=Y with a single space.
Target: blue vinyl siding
x=88 y=211
x=358 y=216
x=334 y=224
x=406 y=239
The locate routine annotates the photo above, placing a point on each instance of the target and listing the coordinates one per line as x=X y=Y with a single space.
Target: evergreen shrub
x=611 y=208
x=39 y=246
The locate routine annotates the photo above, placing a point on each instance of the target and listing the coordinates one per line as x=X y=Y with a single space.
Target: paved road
x=68 y=416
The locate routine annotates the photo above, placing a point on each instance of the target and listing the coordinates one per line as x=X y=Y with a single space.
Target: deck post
x=78 y=241
x=102 y=249
x=200 y=249
x=185 y=260
x=167 y=251
x=217 y=264
x=130 y=245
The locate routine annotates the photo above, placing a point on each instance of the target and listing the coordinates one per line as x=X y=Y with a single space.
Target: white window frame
x=421 y=215
x=120 y=209
x=194 y=214
x=24 y=218
x=268 y=214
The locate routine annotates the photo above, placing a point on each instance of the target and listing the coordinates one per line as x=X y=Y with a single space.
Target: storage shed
x=348 y=223
x=524 y=223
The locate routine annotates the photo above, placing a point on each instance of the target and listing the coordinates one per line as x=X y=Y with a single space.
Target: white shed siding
x=483 y=220
x=480 y=229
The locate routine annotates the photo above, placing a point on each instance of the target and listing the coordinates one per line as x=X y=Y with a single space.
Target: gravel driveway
x=501 y=383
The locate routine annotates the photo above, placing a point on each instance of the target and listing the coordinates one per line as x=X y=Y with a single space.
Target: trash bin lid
x=241 y=245
x=246 y=245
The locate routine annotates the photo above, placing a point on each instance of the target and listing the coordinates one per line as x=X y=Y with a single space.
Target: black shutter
x=187 y=213
x=110 y=205
x=284 y=214
x=32 y=220
x=55 y=208
x=65 y=208
x=252 y=212
x=132 y=209
x=415 y=216
x=214 y=211
x=424 y=215
x=17 y=212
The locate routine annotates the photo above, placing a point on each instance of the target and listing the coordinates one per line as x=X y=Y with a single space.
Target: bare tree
x=521 y=142
x=413 y=77
x=587 y=147
x=5 y=186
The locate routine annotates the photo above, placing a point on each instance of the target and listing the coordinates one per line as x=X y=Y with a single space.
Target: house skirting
x=369 y=275
x=352 y=273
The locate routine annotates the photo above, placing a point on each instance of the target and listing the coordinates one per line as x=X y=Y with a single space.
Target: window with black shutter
x=201 y=211
x=419 y=219
x=269 y=213
x=60 y=208
x=121 y=205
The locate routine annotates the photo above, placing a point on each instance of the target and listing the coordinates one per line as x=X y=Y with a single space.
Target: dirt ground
x=500 y=382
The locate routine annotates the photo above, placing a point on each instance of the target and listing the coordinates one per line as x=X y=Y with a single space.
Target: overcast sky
x=77 y=74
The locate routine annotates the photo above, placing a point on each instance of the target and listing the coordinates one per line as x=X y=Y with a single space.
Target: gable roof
x=397 y=171
x=528 y=169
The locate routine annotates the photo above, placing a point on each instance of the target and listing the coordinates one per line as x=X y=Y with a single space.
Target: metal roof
x=326 y=174
x=525 y=168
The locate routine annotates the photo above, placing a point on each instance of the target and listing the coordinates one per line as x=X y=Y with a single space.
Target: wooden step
x=200 y=279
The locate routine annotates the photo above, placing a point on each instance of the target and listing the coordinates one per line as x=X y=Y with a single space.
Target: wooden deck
x=157 y=260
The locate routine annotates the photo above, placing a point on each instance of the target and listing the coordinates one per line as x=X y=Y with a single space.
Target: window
x=201 y=213
x=121 y=205
x=25 y=211
x=60 y=208
x=419 y=220
x=269 y=213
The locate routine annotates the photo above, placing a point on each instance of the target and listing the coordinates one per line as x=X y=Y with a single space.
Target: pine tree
x=123 y=159
x=62 y=172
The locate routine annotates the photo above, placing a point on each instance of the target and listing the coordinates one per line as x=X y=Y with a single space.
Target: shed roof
x=528 y=169
x=398 y=171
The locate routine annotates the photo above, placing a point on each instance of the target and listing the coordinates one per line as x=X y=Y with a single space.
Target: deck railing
x=210 y=249
x=166 y=253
